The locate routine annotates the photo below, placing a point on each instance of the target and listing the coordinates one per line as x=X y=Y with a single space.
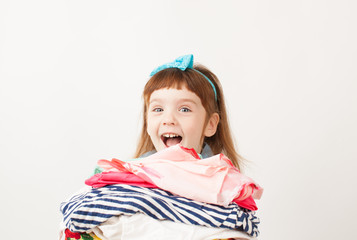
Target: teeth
x=170 y=135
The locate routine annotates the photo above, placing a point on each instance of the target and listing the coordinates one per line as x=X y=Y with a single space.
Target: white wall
x=72 y=72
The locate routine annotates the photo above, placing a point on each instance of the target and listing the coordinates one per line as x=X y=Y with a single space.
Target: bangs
x=178 y=79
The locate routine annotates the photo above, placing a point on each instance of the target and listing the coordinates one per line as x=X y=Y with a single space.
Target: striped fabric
x=87 y=210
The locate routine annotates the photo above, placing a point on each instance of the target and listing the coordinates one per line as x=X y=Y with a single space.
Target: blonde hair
x=221 y=141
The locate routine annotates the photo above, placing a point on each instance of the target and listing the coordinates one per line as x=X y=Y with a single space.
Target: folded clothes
x=88 y=210
x=118 y=177
x=181 y=171
x=142 y=227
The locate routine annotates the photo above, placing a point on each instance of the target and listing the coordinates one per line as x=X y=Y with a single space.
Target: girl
x=181 y=175
x=181 y=77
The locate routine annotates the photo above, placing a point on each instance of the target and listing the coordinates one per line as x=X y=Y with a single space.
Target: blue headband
x=183 y=63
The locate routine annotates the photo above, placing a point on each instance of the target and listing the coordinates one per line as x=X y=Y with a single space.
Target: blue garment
x=88 y=210
x=206 y=152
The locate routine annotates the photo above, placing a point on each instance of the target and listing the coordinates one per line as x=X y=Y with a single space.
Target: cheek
x=194 y=129
x=148 y=131
x=150 y=128
x=200 y=127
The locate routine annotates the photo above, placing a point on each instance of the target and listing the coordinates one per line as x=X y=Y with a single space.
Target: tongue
x=172 y=141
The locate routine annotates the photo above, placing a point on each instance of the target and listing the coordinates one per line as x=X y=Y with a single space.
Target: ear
x=211 y=126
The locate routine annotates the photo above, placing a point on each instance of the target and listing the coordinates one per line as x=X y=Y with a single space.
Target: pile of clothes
x=172 y=194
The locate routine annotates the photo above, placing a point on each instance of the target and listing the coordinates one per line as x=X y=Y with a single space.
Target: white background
x=72 y=73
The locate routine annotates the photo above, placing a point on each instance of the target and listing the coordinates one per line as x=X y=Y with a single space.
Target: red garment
x=109 y=178
x=247 y=203
x=70 y=234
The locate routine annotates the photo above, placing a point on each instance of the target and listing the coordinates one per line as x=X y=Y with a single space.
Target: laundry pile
x=172 y=194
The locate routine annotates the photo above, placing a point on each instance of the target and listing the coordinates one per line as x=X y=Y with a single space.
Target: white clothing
x=142 y=227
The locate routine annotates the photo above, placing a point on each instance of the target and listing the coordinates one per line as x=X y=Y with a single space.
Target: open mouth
x=171 y=139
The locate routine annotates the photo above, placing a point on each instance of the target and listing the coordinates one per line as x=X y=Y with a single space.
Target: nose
x=169 y=118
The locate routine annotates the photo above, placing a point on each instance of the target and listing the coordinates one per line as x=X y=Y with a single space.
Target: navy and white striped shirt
x=88 y=210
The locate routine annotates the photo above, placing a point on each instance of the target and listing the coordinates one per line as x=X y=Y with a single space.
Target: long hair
x=221 y=141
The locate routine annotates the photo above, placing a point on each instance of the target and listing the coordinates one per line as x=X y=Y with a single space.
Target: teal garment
x=97 y=170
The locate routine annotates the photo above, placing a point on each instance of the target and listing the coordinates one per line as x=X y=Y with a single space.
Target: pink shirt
x=181 y=171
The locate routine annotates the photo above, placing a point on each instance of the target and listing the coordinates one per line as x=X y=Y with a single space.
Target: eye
x=185 y=109
x=157 y=109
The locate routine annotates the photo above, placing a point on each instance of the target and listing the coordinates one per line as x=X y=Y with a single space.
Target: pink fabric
x=108 y=178
x=116 y=177
x=180 y=170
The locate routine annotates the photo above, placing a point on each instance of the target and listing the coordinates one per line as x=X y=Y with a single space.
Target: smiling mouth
x=170 y=139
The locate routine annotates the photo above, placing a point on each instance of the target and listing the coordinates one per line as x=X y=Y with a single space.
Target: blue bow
x=181 y=63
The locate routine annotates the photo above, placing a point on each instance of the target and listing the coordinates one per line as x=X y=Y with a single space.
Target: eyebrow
x=180 y=100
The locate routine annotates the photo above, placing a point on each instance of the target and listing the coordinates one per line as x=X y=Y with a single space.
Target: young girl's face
x=177 y=116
